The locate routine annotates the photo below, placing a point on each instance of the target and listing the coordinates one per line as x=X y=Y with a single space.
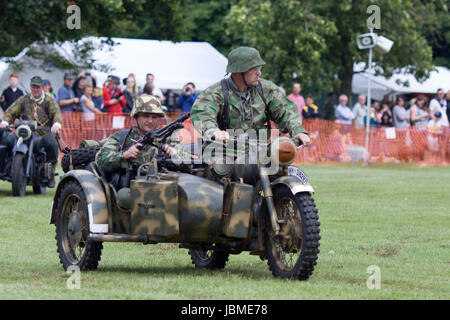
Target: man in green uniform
x=250 y=101
x=116 y=155
x=45 y=111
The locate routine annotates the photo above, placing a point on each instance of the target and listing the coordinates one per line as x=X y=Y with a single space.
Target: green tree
x=317 y=39
x=23 y=22
x=205 y=21
x=436 y=29
x=291 y=39
x=161 y=20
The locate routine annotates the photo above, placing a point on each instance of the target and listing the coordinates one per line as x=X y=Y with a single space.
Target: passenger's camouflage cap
x=243 y=59
x=147 y=104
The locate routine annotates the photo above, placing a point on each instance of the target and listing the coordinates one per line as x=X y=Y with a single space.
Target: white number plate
x=296 y=172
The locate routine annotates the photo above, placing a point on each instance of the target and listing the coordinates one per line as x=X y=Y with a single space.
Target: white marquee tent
x=440 y=78
x=173 y=64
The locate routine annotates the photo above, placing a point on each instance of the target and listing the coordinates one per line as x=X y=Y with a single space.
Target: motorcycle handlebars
x=296 y=141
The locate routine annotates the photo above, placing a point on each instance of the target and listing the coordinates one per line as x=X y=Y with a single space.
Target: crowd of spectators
x=80 y=93
x=419 y=112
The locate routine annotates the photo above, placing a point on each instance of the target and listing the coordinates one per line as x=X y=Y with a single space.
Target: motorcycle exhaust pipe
x=119 y=238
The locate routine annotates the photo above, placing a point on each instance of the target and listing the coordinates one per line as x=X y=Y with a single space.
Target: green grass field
x=396 y=218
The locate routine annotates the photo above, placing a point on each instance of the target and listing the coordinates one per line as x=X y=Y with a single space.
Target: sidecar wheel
x=18 y=178
x=292 y=254
x=209 y=259
x=37 y=189
x=72 y=229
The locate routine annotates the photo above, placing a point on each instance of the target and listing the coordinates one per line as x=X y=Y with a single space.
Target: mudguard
x=23 y=148
x=95 y=197
x=293 y=183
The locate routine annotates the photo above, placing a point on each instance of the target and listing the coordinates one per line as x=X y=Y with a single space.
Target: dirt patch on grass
x=162 y=248
x=382 y=251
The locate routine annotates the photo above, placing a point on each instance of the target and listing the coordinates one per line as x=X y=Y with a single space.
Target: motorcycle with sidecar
x=26 y=163
x=210 y=208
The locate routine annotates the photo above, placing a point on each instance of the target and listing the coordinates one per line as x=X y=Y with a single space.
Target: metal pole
x=369 y=89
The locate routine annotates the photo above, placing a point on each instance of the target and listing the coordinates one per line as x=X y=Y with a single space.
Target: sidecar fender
x=293 y=183
x=95 y=198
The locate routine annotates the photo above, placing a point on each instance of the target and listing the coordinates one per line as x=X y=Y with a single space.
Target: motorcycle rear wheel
x=208 y=259
x=292 y=254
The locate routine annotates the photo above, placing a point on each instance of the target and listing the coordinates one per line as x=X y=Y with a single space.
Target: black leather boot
x=51 y=177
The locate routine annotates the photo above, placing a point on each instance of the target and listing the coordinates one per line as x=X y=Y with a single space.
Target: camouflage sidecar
x=210 y=216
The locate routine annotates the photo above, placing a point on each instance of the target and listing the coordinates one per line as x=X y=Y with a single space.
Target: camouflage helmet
x=243 y=59
x=147 y=104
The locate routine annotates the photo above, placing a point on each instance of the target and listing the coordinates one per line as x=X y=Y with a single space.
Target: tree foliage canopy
x=301 y=40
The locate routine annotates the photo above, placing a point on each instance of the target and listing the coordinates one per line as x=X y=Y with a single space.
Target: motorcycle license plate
x=296 y=172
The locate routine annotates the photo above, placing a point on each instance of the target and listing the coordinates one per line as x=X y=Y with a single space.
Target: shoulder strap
x=123 y=137
x=225 y=111
x=261 y=94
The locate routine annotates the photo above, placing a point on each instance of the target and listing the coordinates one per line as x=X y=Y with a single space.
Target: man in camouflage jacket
x=247 y=109
x=45 y=111
x=112 y=156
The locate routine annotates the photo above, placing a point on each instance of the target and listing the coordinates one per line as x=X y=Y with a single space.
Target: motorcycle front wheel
x=292 y=254
x=18 y=177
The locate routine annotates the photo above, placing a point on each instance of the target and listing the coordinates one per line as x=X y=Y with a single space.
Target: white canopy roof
x=173 y=64
x=440 y=78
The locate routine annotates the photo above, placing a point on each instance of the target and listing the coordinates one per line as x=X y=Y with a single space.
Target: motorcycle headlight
x=24 y=132
x=283 y=151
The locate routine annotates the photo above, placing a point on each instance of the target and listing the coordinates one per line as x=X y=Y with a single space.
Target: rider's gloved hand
x=304 y=139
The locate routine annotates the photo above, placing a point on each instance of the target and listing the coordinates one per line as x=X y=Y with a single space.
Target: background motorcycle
x=25 y=165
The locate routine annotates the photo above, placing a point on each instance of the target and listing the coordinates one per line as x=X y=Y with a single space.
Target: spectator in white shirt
x=343 y=112
x=150 y=80
x=439 y=104
x=359 y=110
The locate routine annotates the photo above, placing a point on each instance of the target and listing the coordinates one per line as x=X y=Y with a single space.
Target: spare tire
x=80 y=158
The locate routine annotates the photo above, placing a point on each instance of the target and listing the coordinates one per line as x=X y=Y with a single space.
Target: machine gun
x=161 y=134
x=153 y=137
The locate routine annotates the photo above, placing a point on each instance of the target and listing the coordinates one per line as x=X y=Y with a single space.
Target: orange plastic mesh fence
x=330 y=141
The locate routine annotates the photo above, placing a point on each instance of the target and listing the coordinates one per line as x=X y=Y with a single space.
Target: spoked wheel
x=293 y=252
x=18 y=177
x=209 y=259
x=72 y=229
